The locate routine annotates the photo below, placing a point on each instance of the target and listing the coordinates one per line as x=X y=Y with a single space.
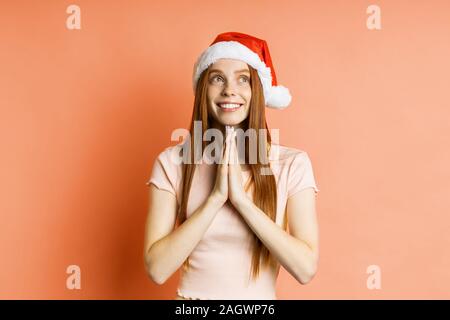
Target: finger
x=223 y=155
x=227 y=150
x=236 y=154
x=230 y=158
x=224 y=150
x=233 y=149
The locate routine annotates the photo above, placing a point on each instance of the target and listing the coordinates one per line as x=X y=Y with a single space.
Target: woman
x=231 y=236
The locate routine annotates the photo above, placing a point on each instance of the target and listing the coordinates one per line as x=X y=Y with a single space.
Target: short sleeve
x=301 y=175
x=164 y=173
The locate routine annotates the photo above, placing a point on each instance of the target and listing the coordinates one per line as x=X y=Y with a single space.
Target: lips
x=229 y=106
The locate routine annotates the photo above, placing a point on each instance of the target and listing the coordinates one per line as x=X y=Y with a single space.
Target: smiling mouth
x=229 y=107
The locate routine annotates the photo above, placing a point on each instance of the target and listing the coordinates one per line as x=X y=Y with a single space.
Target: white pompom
x=279 y=98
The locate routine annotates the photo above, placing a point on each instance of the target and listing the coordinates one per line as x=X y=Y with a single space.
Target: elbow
x=307 y=274
x=153 y=273
x=158 y=281
x=305 y=278
x=155 y=277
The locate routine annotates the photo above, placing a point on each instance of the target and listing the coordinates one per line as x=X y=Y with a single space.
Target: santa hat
x=253 y=51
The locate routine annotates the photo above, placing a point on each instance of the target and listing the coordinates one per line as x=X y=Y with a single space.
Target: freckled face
x=229 y=91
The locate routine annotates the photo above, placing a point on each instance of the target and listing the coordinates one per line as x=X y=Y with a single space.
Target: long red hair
x=264 y=191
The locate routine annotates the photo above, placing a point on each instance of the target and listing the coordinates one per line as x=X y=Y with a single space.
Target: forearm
x=167 y=254
x=293 y=254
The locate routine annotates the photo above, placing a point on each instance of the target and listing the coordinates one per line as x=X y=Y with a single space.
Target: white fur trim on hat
x=277 y=97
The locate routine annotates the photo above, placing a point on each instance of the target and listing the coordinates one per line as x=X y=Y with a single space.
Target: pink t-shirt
x=220 y=264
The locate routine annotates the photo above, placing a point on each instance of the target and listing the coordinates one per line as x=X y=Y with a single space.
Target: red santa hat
x=253 y=51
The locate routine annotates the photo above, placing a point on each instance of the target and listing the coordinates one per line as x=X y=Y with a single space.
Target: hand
x=220 y=190
x=236 y=191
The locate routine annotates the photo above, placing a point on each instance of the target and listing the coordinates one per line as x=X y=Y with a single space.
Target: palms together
x=229 y=181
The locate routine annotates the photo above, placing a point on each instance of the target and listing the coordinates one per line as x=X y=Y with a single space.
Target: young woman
x=233 y=216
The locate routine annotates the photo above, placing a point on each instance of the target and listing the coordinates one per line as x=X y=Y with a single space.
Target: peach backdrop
x=85 y=112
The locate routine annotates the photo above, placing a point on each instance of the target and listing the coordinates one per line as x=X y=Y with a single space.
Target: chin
x=230 y=122
x=231 y=119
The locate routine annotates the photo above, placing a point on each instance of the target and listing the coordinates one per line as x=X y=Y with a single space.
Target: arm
x=166 y=249
x=298 y=253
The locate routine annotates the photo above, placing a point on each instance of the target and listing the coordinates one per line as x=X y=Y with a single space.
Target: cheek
x=209 y=94
x=248 y=99
x=210 y=97
x=213 y=90
x=247 y=110
x=248 y=95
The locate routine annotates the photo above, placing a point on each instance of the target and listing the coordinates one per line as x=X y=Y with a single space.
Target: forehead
x=229 y=65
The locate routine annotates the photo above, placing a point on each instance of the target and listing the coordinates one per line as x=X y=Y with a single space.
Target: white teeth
x=229 y=105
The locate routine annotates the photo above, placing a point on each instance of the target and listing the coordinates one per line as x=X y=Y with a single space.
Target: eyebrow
x=238 y=71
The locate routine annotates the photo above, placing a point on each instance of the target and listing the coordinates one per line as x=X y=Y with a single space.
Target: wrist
x=216 y=201
x=241 y=201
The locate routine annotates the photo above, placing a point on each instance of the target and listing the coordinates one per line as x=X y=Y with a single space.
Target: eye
x=215 y=77
x=245 y=78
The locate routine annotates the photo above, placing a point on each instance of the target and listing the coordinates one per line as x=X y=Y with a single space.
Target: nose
x=228 y=89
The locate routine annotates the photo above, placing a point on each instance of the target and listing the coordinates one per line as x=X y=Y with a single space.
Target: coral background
x=85 y=112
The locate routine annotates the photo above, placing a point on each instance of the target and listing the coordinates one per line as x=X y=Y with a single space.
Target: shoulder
x=285 y=156
x=166 y=172
x=298 y=167
x=170 y=161
x=171 y=155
